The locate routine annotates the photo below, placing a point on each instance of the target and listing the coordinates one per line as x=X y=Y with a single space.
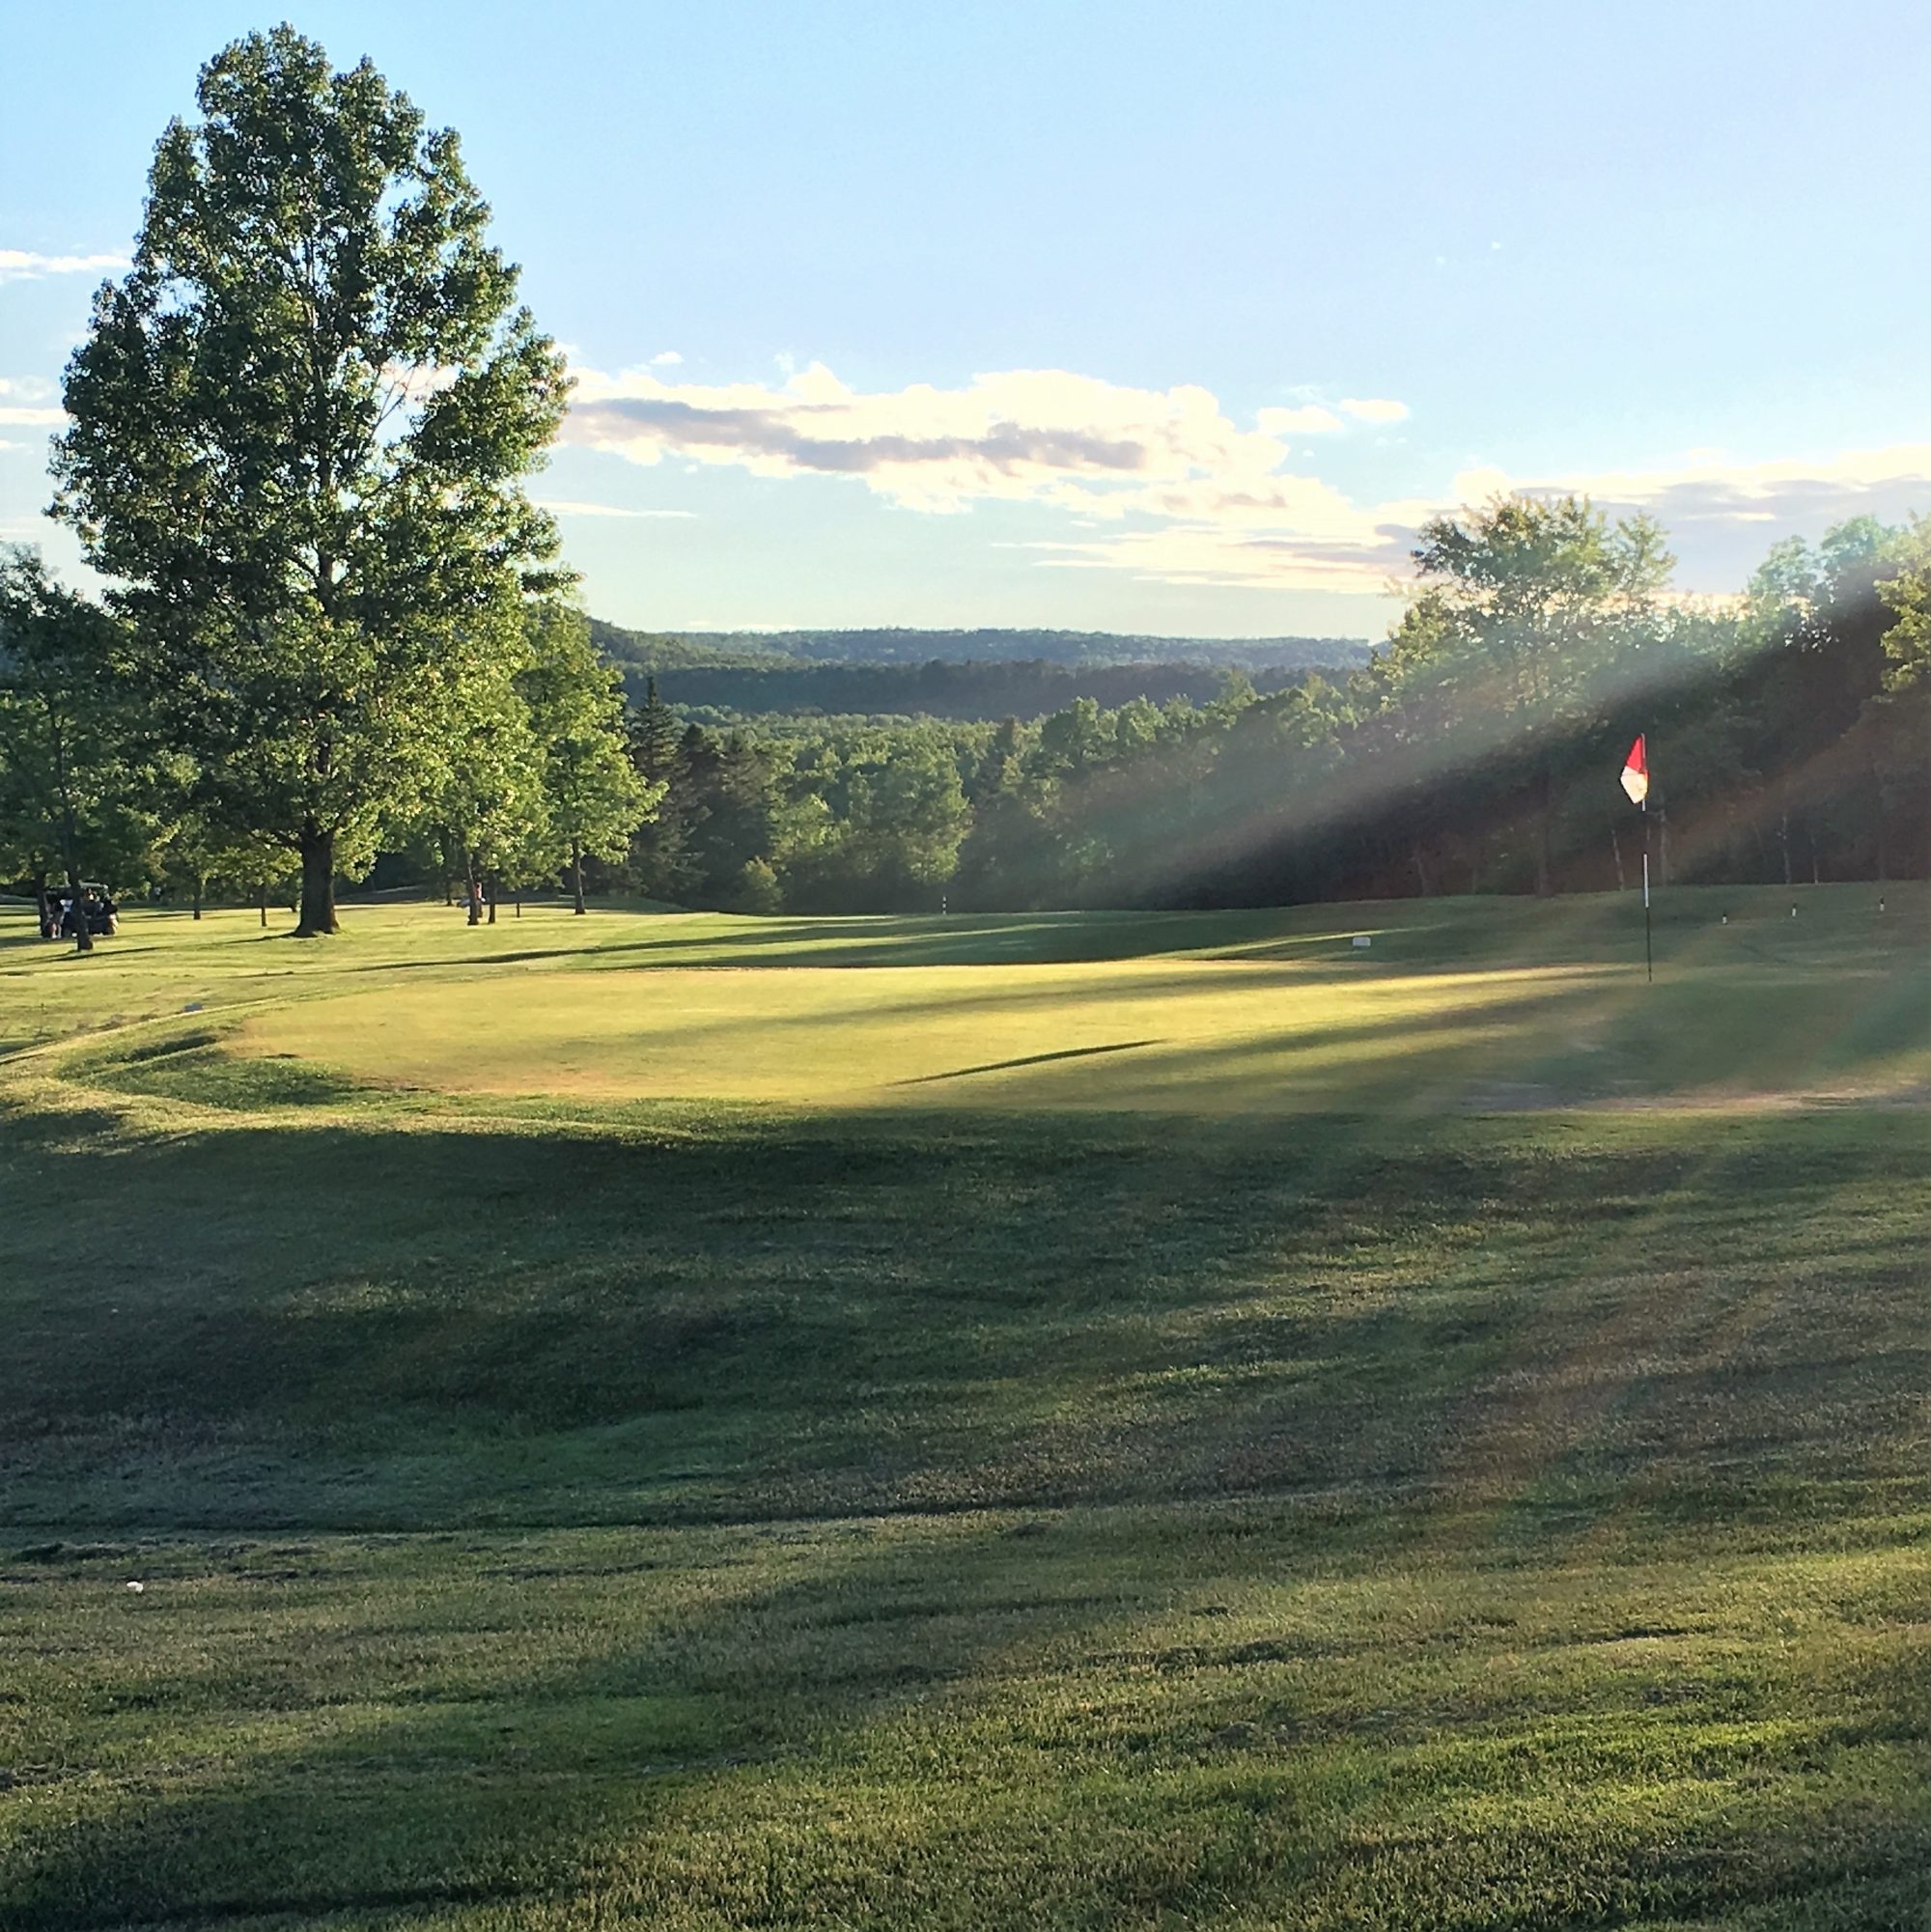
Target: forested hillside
x=989 y=689
x=904 y=646
x=964 y=674
x=1477 y=752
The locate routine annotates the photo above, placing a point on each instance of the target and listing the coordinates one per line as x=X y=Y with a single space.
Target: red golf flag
x=1636 y=773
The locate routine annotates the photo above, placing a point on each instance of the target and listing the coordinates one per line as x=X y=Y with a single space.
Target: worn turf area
x=555 y=1510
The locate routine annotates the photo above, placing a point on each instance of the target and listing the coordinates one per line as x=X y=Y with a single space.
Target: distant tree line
x=982 y=689
x=659 y=650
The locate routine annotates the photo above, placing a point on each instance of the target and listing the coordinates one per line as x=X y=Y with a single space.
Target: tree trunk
x=1783 y=838
x=83 y=933
x=197 y=883
x=473 y=886
x=264 y=902
x=42 y=910
x=1421 y=870
x=492 y=887
x=1545 y=809
x=1873 y=750
x=1616 y=847
x=576 y=875
x=318 y=884
x=83 y=940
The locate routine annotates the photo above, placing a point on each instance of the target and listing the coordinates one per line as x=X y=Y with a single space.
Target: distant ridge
x=906 y=646
x=951 y=674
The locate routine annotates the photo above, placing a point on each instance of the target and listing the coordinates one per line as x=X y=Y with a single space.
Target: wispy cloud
x=1722 y=514
x=1170 y=483
x=1374 y=409
x=1706 y=485
x=1311 y=419
x=1023 y=434
x=559 y=505
x=22 y=265
x=665 y=358
x=31 y=416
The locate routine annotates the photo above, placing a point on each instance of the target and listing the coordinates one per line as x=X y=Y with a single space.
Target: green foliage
x=595 y=795
x=775 y=650
x=202 y=851
x=1908 y=595
x=757 y=889
x=298 y=430
x=487 y=794
x=84 y=793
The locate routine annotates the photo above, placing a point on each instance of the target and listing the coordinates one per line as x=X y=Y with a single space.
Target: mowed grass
x=1434 y=1498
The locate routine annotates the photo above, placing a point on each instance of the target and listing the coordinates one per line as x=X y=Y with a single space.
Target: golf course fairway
x=1070 y=1420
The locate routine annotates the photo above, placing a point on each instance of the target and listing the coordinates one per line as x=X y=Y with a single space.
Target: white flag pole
x=1648 y=947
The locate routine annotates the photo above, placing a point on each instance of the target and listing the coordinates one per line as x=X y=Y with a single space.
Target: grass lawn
x=1061 y=1420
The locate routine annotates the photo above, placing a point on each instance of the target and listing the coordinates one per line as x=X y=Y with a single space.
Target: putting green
x=1187 y=1035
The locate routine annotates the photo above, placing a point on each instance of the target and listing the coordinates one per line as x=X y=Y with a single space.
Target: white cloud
x=28 y=418
x=565 y=507
x=1171 y=484
x=1044 y=435
x=1705 y=482
x=1309 y=420
x=21 y=264
x=665 y=358
x=1721 y=515
x=1164 y=484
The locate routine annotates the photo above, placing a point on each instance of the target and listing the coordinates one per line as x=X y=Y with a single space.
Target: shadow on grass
x=1336 y=1348
x=772 y=1316
x=1030 y=1060
x=989 y=1723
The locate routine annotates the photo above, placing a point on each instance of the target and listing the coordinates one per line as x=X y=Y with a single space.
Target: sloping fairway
x=1201 y=1036
x=1093 y=1421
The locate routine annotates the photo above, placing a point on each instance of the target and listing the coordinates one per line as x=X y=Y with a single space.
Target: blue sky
x=1170 y=319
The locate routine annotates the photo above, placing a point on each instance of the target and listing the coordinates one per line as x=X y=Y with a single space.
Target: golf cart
x=61 y=914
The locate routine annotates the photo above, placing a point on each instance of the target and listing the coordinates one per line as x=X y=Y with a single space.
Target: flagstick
x=1648 y=949
x=1636 y=785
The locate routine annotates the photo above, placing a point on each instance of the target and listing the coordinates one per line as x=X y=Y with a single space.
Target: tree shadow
x=1002 y=1722
x=1328 y=1347
x=1029 y=1061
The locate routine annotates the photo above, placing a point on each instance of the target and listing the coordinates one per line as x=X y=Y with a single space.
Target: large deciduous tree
x=299 y=429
